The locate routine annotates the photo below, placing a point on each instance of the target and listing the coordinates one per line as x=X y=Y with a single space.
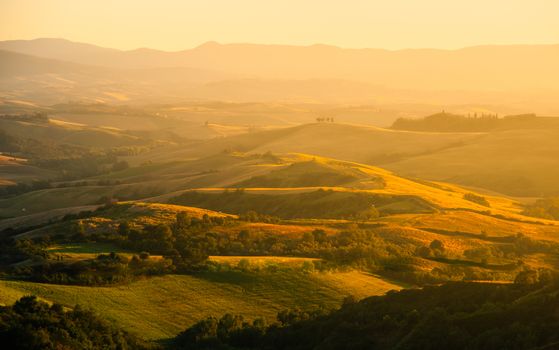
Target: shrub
x=474 y=198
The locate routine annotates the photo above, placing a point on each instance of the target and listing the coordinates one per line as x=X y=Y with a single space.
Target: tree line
x=451 y=316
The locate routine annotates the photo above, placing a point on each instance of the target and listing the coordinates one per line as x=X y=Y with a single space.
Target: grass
x=160 y=307
x=261 y=261
x=80 y=251
x=140 y=214
x=465 y=221
x=369 y=179
x=136 y=213
x=483 y=159
x=213 y=174
x=85 y=248
x=316 y=204
x=487 y=163
x=8 y=294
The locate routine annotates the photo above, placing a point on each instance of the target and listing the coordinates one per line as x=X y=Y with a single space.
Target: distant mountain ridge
x=517 y=79
x=512 y=67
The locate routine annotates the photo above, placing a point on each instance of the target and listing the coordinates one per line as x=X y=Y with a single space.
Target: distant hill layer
x=519 y=161
x=479 y=68
x=517 y=157
x=361 y=188
x=446 y=122
x=518 y=76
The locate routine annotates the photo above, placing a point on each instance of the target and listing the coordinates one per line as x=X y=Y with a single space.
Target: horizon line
x=217 y=43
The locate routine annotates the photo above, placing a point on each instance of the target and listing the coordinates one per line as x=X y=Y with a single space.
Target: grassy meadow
x=160 y=307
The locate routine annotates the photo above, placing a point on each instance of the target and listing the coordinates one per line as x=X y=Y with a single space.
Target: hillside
x=224 y=225
x=17 y=170
x=484 y=158
x=276 y=73
x=61 y=132
x=50 y=81
x=314 y=255
x=159 y=308
x=37 y=150
x=256 y=173
x=485 y=316
x=504 y=66
x=474 y=246
x=514 y=162
x=324 y=139
x=447 y=122
x=239 y=175
x=412 y=213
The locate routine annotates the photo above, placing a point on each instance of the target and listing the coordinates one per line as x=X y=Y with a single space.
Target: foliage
x=472 y=197
x=451 y=316
x=104 y=269
x=302 y=174
x=32 y=324
x=450 y=122
x=13 y=251
x=547 y=208
x=315 y=204
x=252 y=216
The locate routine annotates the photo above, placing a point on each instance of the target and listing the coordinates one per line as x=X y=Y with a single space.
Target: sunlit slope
x=41 y=217
x=340 y=141
x=66 y=197
x=260 y=174
x=459 y=230
x=67 y=133
x=157 y=125
x=139 y=182
x=137 y=213
x=517 y=162
x=477 y=225
x=16 y=170
x=270 y=177
x=160 y=307
x=140 y=214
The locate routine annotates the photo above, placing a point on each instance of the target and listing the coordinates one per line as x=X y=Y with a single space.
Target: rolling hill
x=504 y=66
x=492 y=241
x=518 y=162
x=61 y=132
x=283 y=230
x=274 y=196
x=325 y=139
x=50 y=81
x=161 y=182
x=272 y=73
x=159 y=308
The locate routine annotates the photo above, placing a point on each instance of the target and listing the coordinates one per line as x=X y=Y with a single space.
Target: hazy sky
x=180 y=24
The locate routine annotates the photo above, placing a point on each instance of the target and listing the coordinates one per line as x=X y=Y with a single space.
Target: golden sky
x=181 y=24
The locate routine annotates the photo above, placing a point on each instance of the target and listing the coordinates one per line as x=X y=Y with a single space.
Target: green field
x=86 y=248
x=160 y=307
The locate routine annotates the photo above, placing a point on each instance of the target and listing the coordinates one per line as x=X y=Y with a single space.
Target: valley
x=222 y=197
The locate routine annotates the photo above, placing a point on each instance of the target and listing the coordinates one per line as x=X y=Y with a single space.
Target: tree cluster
x=105 y=269
x=474 y=198
x=546 y=208
x=32 y=324
x=452 y=316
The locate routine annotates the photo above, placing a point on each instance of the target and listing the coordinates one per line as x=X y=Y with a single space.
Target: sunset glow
x=177 y=24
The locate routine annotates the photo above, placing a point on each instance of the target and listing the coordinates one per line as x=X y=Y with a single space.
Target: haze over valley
x=268 y=191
